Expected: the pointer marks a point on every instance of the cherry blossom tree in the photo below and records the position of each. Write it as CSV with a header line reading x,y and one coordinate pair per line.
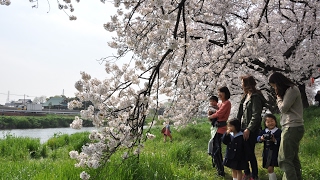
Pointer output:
x,y
185,50
41,99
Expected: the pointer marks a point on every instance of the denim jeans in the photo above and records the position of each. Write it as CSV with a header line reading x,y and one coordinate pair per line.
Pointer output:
x,y
288,158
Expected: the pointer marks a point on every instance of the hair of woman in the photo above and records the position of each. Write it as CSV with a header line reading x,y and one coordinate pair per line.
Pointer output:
x,y
226,92
249,84
282,83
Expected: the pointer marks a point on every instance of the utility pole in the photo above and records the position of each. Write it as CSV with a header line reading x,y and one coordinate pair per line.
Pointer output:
x,y
8,97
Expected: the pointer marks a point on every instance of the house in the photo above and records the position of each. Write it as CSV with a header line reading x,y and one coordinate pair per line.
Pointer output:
x,y
19,102
56,103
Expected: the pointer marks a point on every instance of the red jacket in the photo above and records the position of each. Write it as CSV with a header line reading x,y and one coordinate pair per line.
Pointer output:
x,y
222,114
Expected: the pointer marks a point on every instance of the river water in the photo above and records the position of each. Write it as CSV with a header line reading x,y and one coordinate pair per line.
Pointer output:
x,y
43,134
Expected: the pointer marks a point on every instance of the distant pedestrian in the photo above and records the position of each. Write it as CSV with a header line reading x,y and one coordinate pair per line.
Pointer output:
x,y
317,98
167,131
235,153
271,138
290,105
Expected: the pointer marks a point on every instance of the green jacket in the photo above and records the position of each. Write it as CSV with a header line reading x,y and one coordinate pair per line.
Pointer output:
x,y
252,113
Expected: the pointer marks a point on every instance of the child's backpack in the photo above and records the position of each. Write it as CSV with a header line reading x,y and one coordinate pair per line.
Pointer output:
x,y
163,130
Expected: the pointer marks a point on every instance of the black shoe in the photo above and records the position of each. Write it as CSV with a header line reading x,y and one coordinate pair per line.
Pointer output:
x,y
223,174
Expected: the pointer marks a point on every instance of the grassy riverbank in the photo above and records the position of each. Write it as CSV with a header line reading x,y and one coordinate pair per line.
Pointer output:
x,y
46,121
185,158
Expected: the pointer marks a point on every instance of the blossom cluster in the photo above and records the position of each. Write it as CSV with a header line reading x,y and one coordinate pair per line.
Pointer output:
x,y
90,156
74,104
150,136
84,175
67,5
76,123
5,2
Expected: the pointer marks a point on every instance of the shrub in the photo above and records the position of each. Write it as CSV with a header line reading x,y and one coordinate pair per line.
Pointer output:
x,y
23,124
48,121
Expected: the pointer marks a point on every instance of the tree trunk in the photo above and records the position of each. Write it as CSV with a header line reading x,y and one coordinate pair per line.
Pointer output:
x,y
272,104
302,88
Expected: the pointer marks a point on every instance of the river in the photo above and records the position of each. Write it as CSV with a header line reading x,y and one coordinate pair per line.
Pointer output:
x,y
42,134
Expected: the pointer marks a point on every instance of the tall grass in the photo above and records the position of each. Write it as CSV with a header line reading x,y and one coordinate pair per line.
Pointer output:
x,y
185,158
21,148
309,148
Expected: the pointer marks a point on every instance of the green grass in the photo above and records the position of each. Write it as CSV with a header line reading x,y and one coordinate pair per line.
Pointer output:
x,y
185,158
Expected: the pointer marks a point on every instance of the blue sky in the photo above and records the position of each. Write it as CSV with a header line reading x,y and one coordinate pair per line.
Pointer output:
x,y
43,53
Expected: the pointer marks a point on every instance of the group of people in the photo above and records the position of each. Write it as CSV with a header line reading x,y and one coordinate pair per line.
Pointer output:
x,y
241,134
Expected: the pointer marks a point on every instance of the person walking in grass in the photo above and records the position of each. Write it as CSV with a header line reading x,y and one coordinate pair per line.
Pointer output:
x,y
317,98
271,138
235,153
290,105
167,131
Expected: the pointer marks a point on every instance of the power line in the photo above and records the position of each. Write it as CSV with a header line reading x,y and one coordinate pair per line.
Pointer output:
x,y
18,94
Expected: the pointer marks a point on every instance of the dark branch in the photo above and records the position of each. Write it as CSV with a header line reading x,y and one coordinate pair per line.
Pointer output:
x,y
178,18
218,43
263,12
216,25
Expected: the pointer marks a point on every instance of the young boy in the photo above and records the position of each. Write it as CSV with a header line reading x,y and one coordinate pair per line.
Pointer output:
x,y
271,137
